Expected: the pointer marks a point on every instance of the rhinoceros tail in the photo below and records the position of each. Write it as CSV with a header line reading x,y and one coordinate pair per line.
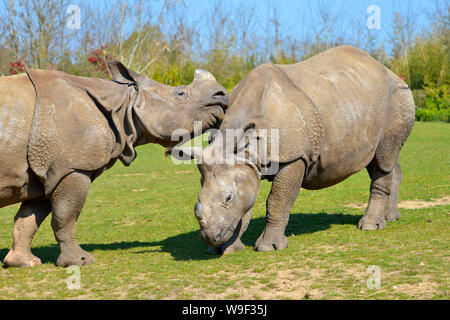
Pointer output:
x,y
28,72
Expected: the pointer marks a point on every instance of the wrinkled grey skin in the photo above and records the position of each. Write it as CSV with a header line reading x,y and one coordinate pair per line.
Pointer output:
x,y
58,132
337,113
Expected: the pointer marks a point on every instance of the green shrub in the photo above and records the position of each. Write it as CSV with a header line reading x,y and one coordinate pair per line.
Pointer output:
x,y
432,115
434,105
420,98
438,98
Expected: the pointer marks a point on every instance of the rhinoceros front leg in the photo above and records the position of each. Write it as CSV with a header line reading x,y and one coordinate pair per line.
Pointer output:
x,y
285,188
67,201
26,223
235,243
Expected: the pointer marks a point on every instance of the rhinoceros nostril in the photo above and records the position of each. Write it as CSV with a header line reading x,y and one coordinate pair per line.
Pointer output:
x,y
221,98
219,94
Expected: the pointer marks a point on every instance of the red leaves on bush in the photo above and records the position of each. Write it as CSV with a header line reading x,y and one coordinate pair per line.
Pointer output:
x,y
99,58
93,60
16,67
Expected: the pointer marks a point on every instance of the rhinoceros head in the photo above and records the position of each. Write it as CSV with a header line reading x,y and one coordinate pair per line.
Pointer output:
x,y
164,109
230,185
228,192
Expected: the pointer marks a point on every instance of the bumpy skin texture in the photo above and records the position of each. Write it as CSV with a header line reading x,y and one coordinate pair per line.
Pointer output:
x,y
336,113
59,132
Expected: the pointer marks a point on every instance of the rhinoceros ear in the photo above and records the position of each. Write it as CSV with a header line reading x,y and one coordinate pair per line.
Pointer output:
x,y
122,74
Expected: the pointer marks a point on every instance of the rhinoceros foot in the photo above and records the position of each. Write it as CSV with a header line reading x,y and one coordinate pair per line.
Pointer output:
x,y
271,240
375,216
17,258
368,224
75,257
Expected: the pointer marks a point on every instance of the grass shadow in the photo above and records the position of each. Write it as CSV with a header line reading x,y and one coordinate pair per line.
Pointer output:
x,y
185,246
47,254
188,246
300,223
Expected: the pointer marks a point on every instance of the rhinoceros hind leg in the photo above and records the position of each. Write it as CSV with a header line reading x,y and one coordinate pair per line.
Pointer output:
x,y
393,214
380,188
67,201
285,188
384,170
26,222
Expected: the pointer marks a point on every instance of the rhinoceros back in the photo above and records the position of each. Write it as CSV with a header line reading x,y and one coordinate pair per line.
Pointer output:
x,y
352,93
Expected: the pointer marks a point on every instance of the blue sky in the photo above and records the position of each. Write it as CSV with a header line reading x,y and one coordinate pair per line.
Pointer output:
x,y
298,17
292,11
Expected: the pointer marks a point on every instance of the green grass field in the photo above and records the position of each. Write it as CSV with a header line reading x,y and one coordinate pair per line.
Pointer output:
x,y
139,224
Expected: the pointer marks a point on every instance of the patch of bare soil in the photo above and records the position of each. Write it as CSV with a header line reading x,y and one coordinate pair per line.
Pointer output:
x,y
426,289
424,204
411,204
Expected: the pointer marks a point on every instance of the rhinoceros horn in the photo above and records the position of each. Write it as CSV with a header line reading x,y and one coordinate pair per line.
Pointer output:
x,y
203,75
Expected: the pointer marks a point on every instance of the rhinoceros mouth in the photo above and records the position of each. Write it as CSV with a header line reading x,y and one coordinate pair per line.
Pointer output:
x,y
219,237
212,116
218,101
221,105
217,241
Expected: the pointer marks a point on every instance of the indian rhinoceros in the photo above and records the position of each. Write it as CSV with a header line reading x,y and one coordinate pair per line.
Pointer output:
x,y
334,114
58,132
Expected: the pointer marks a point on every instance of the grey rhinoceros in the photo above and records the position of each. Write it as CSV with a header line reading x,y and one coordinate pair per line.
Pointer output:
x,y
58,132
336,113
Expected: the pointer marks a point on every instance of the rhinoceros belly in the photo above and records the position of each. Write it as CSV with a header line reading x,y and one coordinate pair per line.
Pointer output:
x,y
17,100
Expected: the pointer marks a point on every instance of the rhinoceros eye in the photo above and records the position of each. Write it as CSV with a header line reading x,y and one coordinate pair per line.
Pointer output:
x,y
181,94
228,198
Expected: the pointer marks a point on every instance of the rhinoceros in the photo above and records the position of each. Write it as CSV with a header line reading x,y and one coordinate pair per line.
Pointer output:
x,y
58,132
334,114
